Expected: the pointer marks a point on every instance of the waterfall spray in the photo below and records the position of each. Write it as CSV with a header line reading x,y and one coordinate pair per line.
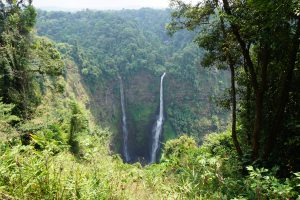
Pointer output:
x,y
157,129
124,123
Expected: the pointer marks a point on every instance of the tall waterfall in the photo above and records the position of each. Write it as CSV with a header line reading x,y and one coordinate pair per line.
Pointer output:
x,y
157,129
124,123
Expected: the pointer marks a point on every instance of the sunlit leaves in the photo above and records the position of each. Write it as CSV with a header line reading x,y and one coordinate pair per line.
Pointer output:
x,y
189,16
45,58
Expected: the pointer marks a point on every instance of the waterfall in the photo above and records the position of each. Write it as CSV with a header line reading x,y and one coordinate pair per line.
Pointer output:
x,y
124,123
157,129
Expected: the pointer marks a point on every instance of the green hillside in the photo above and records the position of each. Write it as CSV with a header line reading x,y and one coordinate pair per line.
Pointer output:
x,y
134,44
231,102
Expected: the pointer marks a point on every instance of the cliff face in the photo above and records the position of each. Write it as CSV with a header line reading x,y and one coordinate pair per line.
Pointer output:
x,y
142,91
133,44
188,109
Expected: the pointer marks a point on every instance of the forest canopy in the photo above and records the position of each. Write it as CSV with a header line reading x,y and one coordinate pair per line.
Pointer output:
x,y
134,45
259,42
64,76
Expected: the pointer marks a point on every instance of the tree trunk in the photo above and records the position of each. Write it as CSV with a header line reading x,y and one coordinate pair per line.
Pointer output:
x,y
259,101
243,45
248,107
233,100
257,125
248,113
284,94
259,91
233,93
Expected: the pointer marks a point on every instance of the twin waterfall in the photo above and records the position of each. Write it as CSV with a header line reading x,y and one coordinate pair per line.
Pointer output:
x,y
124,123
157,129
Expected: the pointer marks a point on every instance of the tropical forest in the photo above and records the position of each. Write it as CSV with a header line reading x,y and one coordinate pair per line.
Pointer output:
x,y
199,100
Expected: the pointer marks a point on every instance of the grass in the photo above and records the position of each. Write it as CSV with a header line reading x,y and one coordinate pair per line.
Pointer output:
x,y
30,174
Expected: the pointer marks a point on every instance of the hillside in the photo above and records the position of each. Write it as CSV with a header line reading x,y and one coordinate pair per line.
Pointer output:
x,y
106,105
134,44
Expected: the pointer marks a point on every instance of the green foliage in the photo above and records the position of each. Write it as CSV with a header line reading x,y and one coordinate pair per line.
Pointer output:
x,y
134,44
5,113
46,59
259,40
186,172
201,173
51,139
267,186
25,60
78,125
179,147
212,172
169,132
7,131
16,22
61,153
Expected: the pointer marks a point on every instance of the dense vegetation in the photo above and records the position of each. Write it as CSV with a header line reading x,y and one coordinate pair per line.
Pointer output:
x,y
52,148
134,44
259,43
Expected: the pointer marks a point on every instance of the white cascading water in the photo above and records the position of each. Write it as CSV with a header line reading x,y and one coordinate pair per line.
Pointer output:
x,y
157,129
124,123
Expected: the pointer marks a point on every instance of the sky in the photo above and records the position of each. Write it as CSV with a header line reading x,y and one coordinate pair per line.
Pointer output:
x,y
101,4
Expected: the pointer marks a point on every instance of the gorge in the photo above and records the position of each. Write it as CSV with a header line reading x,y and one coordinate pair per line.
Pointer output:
x,y
106,105
134,45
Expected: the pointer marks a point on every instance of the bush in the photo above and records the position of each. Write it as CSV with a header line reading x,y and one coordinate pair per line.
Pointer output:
x,y
213,171
7,131
262,184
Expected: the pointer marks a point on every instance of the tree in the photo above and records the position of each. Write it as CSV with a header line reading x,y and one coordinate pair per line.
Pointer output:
x,y
17,19
267,37
24,59
6,120
221,49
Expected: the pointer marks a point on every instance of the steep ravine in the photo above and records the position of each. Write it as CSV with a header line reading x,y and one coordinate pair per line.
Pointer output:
x,y
141,97
134,44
